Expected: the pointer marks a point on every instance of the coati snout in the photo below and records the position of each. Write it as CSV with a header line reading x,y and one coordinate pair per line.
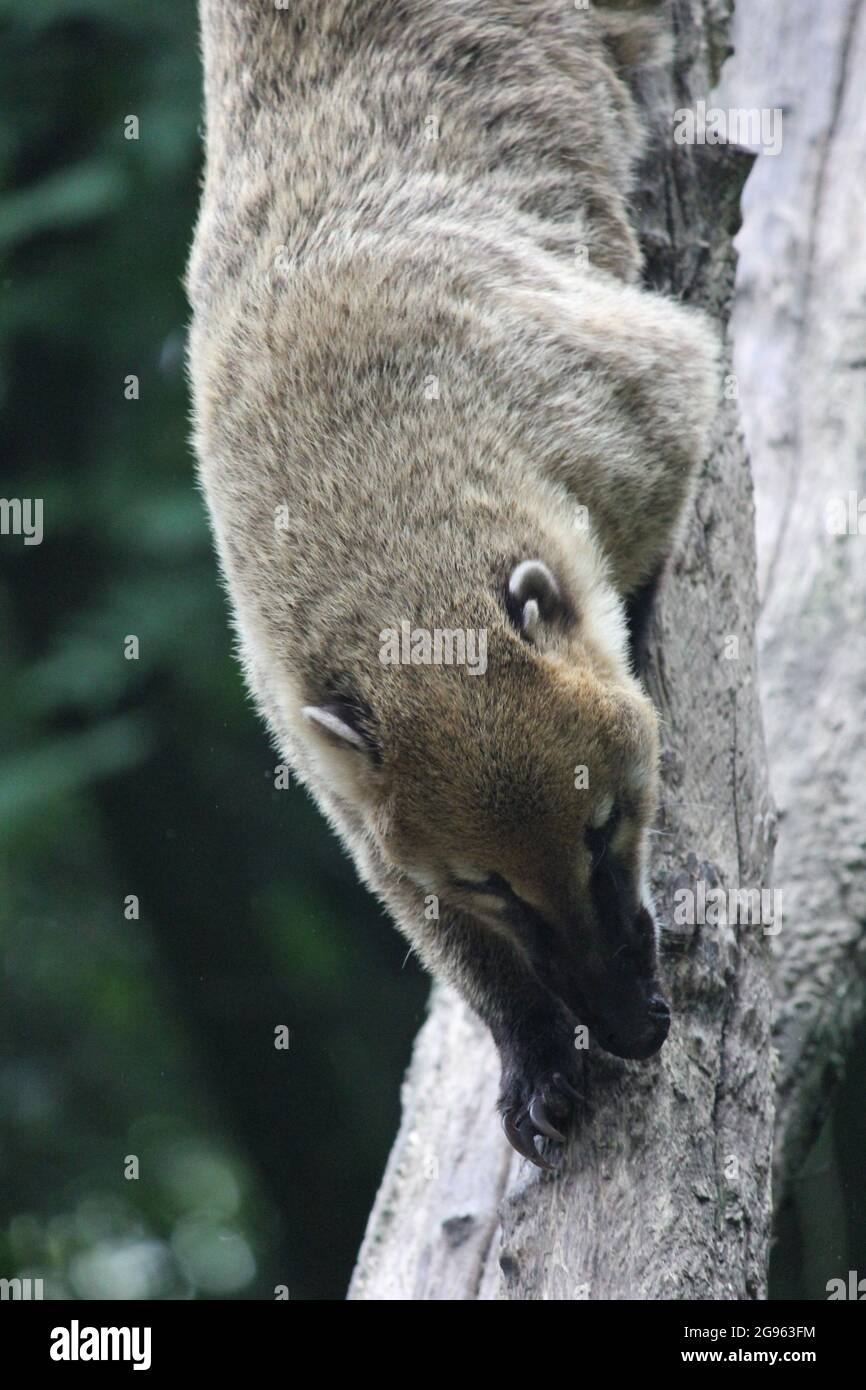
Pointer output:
x,y
597,953
601,962
627,1014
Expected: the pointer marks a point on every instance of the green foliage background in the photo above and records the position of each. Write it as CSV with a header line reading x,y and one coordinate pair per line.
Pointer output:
x,y
153,777
155,1037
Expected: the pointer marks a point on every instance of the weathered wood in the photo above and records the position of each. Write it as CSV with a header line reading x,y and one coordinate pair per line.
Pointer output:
x,y
800,330
664,1191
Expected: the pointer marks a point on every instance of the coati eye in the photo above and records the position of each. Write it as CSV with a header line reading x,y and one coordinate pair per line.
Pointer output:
x,y
481,884
533,594
491,885
502,888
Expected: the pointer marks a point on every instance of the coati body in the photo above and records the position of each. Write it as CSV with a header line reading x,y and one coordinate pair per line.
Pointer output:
x,y
429,391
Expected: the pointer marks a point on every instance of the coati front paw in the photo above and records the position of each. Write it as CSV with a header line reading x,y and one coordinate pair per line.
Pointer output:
x,y
537,1103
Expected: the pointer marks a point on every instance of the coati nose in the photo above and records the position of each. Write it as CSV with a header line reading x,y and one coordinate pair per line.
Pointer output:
x,y
659,1009
651,1038
659,1026
644,1043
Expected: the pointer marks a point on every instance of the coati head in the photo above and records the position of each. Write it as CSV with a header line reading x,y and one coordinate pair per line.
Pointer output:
x,y
522,796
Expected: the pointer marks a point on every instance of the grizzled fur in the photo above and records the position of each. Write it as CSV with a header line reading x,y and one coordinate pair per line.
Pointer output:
x,y
421,357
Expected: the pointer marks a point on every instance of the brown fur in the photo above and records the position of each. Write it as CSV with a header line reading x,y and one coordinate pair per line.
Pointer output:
x,y
406,383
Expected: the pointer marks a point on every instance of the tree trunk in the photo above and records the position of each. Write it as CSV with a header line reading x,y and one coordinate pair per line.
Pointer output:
x,y
664,1191
800,329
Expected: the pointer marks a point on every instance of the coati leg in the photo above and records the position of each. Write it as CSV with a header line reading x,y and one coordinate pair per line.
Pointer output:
x,y
639,611
639,423
533,1030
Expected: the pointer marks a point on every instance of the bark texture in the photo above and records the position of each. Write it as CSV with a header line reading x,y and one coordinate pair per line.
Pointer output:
x,y
664,1189
800,356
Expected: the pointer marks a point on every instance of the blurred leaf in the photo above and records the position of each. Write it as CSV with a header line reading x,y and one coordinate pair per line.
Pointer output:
x,y
64,765
62,200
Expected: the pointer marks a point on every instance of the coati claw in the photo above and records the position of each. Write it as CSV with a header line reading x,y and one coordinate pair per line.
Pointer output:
x,y
521,1138
540,1119
538,1113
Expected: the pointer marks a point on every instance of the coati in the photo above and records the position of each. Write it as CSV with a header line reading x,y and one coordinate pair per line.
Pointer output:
x,y
429,389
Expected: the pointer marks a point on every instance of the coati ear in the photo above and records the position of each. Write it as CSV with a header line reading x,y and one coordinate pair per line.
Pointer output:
x,y
343,725
332,719
533,594
343,746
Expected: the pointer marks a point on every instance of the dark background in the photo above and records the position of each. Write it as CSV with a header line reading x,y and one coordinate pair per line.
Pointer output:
x,y
155,1037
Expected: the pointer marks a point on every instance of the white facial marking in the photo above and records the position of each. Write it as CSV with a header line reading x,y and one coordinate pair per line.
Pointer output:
x,y
530,619
646,898
640,778
532,578
488,902
468,874
602,813
424,877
